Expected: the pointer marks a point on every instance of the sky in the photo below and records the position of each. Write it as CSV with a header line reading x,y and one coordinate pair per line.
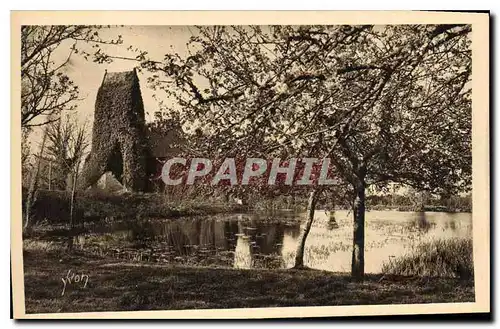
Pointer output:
x,y
87,75
156,40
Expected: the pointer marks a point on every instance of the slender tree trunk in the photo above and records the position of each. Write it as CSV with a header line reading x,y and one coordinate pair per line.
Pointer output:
x,y
74,180
33,188
358,250
50,175
299,256
225,196
332,221
73,196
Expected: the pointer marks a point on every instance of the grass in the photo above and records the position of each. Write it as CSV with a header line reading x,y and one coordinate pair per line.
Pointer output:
x,y
40,245
52,207
444,258
127,286
279,203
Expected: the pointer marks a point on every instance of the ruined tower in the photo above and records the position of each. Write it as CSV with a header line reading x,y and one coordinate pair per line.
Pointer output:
x,y
119,142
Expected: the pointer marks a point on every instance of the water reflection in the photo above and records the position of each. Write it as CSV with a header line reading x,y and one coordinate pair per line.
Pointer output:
x,y
451,225
243,255
270,241
332,221
420,223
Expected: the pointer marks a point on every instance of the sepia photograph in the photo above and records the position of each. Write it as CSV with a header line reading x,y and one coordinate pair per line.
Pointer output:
x,y
203,165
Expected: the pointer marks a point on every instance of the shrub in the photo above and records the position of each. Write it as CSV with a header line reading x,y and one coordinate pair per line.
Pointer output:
x,y
443,258
52,207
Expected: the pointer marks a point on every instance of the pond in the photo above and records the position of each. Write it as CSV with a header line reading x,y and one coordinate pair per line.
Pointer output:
x,y
258,240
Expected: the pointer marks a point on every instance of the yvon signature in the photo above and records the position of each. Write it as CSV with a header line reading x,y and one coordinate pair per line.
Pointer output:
x,y
72,278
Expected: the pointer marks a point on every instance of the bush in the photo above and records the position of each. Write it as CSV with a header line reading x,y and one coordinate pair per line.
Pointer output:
x,y
53,207
443,258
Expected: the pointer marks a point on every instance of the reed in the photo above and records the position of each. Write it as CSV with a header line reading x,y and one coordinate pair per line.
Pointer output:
x,y
437,258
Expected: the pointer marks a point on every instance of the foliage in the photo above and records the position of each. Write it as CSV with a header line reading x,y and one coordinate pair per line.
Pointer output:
x,y
367,92
444,258
419,202
67,144
53,207
119,140
387,103
45,87
165,135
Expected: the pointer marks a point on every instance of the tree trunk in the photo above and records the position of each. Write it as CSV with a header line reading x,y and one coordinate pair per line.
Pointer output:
x,y
299,256
72,205
332,221
33,188
358,250
73,196
50,175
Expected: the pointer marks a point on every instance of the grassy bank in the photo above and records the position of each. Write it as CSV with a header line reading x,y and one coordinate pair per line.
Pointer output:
x,y
450,258
114,286
53,206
